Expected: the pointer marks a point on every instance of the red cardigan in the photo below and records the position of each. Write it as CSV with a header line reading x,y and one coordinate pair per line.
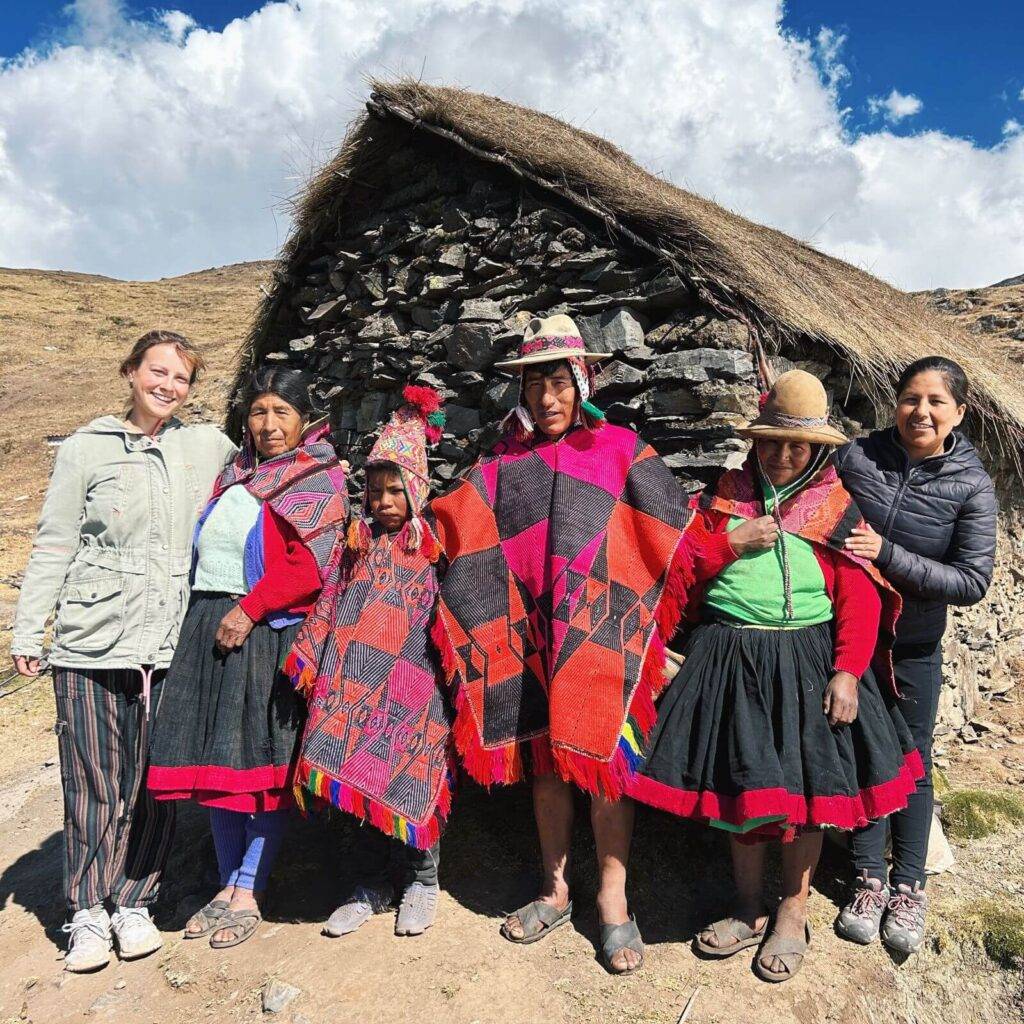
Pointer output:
x,y
857,604
291,579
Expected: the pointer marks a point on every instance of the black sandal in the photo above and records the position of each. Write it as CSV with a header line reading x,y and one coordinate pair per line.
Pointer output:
x,y
617,937
538,919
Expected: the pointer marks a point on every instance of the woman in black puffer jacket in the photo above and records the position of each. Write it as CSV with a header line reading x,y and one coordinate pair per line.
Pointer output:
x,y
932,513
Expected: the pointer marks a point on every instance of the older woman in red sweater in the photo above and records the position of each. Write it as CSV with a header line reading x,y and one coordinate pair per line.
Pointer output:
x,y
228,730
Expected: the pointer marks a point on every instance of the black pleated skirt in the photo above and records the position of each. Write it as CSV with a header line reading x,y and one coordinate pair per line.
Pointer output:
x,y
742,740
228,727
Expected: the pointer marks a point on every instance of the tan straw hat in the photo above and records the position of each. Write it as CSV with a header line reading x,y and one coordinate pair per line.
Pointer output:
x,y
549,338
796,409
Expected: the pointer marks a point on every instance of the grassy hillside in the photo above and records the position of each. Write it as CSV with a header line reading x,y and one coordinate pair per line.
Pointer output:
x,y
62,337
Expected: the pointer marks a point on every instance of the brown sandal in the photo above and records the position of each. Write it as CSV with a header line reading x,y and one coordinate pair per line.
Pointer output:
x,y
208,917
242,923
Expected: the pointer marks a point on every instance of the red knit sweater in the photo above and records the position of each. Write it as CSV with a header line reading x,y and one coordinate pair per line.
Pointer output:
x,y
290,581
857,604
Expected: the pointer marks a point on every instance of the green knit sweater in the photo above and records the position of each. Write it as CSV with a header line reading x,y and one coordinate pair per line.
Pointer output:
x,y
751,590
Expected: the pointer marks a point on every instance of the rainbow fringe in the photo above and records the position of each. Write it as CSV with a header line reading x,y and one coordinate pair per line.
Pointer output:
x,y
300,674
328,790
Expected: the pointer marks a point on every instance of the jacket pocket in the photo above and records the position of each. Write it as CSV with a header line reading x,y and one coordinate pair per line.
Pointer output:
x,y
130,484
91,616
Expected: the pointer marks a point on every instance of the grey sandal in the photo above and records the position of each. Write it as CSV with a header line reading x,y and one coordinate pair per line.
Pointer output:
x,y
617,937
783,948
538,919
243,923
209,917
729,928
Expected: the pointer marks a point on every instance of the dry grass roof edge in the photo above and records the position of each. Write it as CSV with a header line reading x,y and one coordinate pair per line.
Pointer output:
x,y
782,288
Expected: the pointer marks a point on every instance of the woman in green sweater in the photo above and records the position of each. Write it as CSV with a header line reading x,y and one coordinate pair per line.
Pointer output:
x,y
777,726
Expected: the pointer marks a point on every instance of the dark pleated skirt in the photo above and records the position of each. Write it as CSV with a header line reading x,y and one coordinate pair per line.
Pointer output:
x,y
742,740
228,727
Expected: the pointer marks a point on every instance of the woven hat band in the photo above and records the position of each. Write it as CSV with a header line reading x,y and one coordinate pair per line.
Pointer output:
x,y
548,342
771,418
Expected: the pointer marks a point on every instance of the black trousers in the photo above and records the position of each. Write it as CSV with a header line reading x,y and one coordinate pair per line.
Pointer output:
x,y
378,859
116,836
919,677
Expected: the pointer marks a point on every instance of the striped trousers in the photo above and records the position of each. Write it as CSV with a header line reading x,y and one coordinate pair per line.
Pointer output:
x,y
116,836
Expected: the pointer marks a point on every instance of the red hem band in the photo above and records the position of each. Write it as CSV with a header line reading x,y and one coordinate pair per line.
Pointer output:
x,y
844,812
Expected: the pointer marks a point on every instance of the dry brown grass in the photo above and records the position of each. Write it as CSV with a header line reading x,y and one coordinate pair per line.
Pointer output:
x,y
780,286
62,336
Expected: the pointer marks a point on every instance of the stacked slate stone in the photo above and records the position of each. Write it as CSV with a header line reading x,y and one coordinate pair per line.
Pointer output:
x,y
435,285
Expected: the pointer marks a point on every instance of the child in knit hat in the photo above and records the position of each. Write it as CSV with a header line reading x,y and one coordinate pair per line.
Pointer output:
x,y
378,741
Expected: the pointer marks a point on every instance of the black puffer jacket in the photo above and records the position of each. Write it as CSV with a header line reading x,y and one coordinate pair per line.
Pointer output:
x,y
938,519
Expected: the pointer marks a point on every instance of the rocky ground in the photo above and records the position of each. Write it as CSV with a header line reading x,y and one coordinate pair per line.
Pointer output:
x,y
60,338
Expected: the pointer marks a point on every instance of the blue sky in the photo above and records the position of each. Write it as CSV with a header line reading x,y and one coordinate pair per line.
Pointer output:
x,y
143,140
963,61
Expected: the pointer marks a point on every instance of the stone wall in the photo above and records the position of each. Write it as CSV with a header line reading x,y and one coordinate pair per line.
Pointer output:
x,y
434,271
436,282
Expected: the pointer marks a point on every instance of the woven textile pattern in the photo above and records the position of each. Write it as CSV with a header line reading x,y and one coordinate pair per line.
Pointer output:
x,y
823,513
551,610
305,486
378,739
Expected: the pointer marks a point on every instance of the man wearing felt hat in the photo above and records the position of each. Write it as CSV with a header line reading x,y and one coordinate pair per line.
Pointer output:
x,y
564,546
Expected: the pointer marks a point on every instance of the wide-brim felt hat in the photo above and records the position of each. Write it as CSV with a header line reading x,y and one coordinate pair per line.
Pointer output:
x,y
547,339
796,409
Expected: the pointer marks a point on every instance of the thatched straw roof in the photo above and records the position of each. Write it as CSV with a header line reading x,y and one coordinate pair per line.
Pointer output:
x,y
782,288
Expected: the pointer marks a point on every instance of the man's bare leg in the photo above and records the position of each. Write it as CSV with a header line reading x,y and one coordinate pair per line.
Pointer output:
x,y
612,822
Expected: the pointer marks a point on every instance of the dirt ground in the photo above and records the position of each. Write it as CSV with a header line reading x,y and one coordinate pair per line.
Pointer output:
x,y
60,338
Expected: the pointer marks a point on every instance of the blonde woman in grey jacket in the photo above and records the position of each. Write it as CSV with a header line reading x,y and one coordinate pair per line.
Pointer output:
x,y
112,557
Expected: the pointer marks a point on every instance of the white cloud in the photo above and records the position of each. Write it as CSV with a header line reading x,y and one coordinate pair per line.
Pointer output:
x,y
146,148
895,107
1012,127
178,24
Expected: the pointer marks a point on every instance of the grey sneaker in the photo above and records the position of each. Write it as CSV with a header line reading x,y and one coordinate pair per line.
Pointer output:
x,y
903,927
89,941
860,919
417,910
365,901
135,932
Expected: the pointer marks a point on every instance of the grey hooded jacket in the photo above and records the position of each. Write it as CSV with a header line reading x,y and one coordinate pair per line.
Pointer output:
x,y
114,546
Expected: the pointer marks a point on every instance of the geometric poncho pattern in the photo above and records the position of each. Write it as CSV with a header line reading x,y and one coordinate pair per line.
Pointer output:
x,y
378,739
561,590
822,512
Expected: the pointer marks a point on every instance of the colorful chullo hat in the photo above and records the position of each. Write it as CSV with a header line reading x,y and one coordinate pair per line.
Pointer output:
x,y
403,443
550,339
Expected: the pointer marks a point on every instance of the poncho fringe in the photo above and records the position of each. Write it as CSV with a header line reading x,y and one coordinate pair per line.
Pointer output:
x,y
505,765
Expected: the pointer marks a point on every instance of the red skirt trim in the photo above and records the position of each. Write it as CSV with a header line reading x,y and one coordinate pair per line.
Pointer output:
x,y
844,812
266,788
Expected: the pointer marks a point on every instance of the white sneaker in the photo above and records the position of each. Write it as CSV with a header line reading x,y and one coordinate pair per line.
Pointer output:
x,y
135,932
89,941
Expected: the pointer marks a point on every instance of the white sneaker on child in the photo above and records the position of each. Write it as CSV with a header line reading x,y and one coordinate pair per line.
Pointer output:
x,y
136,934
88,940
